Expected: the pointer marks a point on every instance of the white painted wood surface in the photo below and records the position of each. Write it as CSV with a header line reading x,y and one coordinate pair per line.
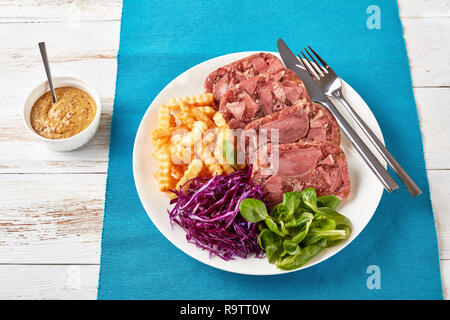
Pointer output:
x,y
51,204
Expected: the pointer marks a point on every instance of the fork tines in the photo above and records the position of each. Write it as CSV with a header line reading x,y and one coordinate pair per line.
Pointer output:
x,y
315,69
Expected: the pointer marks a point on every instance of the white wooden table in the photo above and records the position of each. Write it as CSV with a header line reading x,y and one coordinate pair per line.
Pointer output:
x,y
51,204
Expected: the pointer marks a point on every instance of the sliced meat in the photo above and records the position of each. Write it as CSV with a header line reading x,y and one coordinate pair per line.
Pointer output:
x,y
263,95
298,161
322,125
317,135
306,122
236,124
231,74
292,124
237,109
274,187
300,165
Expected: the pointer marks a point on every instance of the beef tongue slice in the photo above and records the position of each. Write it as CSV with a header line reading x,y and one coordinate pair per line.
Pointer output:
x,y
305,121
220,80
260,96
300,165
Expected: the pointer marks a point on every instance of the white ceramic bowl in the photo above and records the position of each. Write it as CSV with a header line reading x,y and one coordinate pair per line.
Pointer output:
x,y
80,138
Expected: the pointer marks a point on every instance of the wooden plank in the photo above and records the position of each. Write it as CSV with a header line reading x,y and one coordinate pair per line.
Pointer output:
x,y
33,282
423,8
70,11
427,43
445,272
51,218
440,195
434,117
90,40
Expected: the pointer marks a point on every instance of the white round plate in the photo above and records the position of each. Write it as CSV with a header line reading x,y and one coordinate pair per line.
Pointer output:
x,y
366,190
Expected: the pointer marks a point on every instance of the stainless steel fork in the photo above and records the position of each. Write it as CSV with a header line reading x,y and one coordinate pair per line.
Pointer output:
x,y
331,85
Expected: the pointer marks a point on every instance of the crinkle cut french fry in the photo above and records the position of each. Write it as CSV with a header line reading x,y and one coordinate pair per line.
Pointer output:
x,y
177,172
211,163
181,148
163,174
198,149
159,143
164,117
192,171
210,136
203,152
180,154
218,153
186,118
197,114
219,120
159,133
204,99
172,121
210,112
197,135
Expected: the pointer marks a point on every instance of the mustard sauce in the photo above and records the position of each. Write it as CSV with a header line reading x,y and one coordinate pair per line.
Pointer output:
x,y
73,112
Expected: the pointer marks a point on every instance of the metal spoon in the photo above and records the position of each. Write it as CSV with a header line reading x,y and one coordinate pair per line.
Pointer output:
x,y
47,68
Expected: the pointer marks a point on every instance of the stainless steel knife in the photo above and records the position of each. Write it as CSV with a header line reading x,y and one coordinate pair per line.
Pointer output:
x,y
316,94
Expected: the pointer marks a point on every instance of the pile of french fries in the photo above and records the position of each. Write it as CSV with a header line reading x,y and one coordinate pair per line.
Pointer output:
x,y
189,141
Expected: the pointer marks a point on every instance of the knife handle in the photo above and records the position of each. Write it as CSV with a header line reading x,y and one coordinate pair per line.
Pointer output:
x,y
393,164
366,154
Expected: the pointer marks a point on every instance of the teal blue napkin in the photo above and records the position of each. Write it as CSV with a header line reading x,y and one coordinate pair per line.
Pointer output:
x,y
395,257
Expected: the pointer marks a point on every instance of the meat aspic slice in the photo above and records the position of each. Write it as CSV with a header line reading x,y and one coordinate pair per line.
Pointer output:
x,y
305,122
301,165
220,80
262,95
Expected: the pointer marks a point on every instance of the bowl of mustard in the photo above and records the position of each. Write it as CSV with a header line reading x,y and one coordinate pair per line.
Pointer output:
x,y
71,121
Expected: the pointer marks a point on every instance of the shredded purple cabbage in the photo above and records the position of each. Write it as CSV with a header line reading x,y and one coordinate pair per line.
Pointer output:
x,y
208,210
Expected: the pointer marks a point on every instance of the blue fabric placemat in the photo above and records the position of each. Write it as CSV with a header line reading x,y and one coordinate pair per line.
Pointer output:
x,y
161,39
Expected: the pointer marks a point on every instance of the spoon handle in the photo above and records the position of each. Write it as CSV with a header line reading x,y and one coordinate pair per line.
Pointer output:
x,y
47,68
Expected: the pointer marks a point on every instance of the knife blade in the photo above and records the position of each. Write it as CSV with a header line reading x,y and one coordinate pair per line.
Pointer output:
x,y
291,61
317,95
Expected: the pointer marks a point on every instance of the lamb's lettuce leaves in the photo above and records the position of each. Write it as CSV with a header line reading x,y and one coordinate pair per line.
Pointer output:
x,y
296,230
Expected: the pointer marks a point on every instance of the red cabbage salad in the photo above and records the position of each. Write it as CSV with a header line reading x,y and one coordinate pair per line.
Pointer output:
x,y
227,216
208,210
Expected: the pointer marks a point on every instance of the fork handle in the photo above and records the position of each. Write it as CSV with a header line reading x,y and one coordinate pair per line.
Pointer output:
x,y
377,168
393,164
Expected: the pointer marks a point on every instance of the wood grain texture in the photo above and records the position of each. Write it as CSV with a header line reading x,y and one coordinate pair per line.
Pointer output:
x,y
51,218
70,11
423,9
32,282
428,57
51,204
440,195
434,117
